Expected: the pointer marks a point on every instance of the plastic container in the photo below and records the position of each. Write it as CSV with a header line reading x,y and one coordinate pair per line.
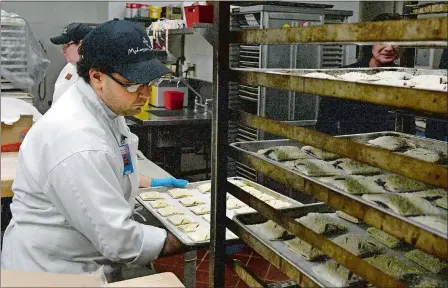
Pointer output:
x,y
134,10
174,100
198,14
155,12
128,10
144,11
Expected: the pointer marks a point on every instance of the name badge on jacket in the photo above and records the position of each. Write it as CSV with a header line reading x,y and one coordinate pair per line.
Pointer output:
x,y
127,160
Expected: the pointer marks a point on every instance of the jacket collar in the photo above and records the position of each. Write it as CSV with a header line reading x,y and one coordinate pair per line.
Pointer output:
x,y
94,100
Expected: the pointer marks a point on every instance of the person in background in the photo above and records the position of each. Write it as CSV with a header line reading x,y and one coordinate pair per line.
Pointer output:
x,y
70,40
72,210
339,117
438,129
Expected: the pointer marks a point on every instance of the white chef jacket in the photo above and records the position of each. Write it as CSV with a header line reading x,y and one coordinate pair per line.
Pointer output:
x,y
72,208
67,77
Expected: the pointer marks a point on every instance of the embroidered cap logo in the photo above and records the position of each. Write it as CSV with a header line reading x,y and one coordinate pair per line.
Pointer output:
x,y
65,31
138,50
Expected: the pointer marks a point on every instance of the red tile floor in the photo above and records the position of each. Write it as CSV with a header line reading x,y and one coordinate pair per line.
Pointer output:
x,y
261,267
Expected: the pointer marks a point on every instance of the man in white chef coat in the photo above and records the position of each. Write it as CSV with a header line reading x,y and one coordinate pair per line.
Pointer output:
x,y
76,175
70,40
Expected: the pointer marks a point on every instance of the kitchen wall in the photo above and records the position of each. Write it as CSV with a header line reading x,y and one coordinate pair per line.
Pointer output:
x,y
47,19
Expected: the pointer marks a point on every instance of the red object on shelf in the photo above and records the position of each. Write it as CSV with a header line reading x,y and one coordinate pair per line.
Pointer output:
x,y
198,14
174,100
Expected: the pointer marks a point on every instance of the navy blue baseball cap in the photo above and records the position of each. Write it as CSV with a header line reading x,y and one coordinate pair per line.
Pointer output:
x,y
73,32
123,48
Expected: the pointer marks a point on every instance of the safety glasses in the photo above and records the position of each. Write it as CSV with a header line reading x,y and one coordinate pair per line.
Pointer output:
x,y
65,46
129,87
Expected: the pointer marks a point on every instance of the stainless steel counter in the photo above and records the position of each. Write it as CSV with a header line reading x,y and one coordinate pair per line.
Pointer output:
x,y
163,117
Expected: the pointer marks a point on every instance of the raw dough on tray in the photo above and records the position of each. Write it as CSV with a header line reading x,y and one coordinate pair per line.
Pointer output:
x,y
204,188
423,154
427,282
179,220
427,261
151,196
320,75
319,153
439,223
271,230
347,217
358,76
397,183
158,204
354,167
322,223
206,217
201,209
284,153
433,80
403,205
358,245
392,266
180,193
316,168
303,249
356,185
384,238
441,202
430,195
234,204
190,201
335,274
192,227
168,211
392,143
199,235
396,75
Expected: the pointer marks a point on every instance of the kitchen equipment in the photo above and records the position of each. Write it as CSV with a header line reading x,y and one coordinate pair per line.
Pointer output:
x,y
174,100
278,104
155,12
157,91
206,199
198,14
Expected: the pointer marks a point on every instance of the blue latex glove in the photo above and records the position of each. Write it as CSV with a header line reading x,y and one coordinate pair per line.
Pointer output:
x,y
170,181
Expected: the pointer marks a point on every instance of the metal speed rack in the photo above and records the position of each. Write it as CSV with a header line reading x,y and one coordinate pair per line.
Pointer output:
x,y
414,33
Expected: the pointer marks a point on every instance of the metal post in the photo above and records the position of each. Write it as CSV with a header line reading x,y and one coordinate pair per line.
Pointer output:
x,y
219,143
190,269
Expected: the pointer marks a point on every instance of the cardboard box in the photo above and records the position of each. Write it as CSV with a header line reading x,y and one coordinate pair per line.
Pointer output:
x,y
11,278
13,135
172,13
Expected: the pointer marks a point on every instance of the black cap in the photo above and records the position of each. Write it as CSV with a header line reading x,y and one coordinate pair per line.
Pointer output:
x,y
73,32
124,48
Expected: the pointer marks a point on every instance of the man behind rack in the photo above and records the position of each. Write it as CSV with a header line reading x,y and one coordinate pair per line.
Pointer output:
x,y
339,117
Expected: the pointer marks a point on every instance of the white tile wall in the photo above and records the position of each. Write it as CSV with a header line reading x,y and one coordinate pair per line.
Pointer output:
x,y
198,51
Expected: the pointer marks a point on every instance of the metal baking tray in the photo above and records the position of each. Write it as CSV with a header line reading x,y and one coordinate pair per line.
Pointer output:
x,y
253,146
338,72
246,221
206,199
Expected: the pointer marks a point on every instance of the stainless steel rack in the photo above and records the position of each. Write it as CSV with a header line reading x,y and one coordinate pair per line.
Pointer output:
x,y
425,32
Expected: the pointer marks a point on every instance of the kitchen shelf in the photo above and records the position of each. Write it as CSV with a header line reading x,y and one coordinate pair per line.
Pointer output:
x,y
425,32
204,29
421,32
